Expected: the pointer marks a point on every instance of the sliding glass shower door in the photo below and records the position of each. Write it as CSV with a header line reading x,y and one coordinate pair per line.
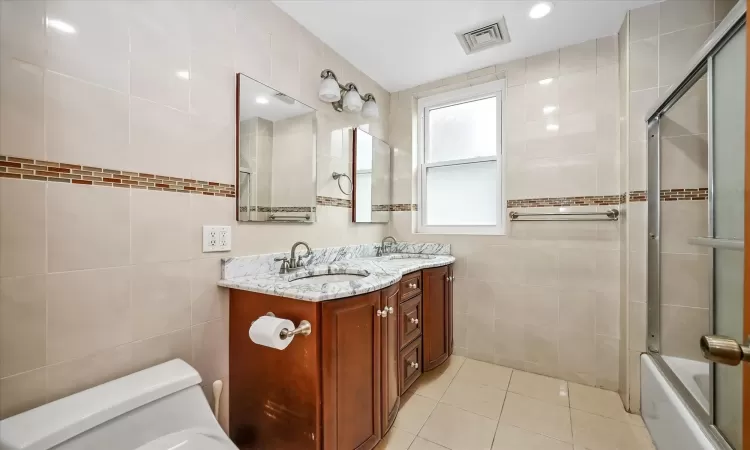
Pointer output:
x,y
728,168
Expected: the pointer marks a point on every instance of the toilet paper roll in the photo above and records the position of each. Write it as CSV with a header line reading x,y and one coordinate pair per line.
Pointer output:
x,y
266,329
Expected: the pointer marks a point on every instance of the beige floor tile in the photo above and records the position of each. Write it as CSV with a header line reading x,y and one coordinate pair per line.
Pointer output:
x,y
433,384
478,372
595,432
396,439
458,429
636,419
424,444
513,438
479,399
542,388
597,401
537,416
414,412
452,365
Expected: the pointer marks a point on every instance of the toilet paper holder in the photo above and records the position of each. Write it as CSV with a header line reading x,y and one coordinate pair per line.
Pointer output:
x,y
304,328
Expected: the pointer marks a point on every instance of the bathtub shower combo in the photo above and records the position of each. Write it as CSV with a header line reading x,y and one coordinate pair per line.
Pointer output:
x,y
695,247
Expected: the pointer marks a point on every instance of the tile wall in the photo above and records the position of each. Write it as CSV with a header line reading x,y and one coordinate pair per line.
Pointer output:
x,y
99,281
661,39
545,297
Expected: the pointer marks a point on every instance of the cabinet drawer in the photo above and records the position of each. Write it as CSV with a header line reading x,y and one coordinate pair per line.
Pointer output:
x,y
410,320
410,365
411,285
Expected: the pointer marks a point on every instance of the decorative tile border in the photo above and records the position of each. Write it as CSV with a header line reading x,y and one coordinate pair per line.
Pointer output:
x,y
286,208
671,195
38,170
564,201
331,201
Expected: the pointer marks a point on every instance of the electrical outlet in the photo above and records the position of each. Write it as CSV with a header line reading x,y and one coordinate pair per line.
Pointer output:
x,y
217,238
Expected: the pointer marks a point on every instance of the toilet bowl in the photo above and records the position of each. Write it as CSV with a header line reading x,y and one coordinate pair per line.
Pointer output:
x,y
159,408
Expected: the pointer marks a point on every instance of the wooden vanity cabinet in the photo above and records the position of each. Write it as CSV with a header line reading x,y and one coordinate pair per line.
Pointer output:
x,y
437,310
338,388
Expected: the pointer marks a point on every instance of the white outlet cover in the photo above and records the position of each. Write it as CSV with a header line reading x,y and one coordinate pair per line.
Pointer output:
x,y
217,238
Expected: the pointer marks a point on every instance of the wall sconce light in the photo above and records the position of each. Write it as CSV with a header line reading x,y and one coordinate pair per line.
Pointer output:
x,y
346,97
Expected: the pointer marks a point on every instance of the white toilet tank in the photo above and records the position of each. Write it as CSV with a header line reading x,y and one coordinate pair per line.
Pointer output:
x,y
158,408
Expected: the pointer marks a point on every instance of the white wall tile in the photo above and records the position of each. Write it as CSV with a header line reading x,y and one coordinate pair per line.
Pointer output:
x,y
23,228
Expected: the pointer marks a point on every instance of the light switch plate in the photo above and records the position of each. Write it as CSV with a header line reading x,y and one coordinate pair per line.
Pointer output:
x,y
217,238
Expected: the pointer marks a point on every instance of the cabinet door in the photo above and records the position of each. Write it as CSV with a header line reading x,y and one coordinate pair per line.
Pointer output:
x,y
435,310
389,356
351,343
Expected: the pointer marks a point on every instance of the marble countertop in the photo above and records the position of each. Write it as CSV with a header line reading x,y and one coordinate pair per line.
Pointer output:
x,y
379,272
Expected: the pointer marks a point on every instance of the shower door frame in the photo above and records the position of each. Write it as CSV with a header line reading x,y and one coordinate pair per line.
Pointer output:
x,y
701,64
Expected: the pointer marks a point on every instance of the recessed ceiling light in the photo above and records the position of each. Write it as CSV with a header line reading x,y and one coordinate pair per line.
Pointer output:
x,y
545,81
184,74
540,10
553,127
549,109
261,100
59,25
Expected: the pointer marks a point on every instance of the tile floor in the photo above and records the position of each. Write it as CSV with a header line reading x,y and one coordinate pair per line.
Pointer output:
x,y
472,405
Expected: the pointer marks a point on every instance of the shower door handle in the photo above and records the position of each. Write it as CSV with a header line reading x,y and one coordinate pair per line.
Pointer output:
x,y
724,350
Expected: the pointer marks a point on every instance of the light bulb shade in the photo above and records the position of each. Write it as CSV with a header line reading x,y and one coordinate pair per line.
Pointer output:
x,y
370,110
329,90
352,102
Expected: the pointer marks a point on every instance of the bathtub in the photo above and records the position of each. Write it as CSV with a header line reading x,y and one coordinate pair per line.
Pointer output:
x,y
672,425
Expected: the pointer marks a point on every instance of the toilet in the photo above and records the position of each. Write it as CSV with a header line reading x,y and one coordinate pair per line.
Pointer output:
x,y
159,408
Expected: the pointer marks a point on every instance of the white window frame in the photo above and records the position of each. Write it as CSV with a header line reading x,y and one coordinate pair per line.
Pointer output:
x,y
424,105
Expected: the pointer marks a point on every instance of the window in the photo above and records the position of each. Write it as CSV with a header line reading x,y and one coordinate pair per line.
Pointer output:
x,y
460,161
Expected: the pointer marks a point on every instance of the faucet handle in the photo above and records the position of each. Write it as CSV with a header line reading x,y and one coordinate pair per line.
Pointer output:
x,y
284,264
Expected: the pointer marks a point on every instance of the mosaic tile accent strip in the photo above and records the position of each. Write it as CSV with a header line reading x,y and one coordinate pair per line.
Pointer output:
x,y
672,195
331,201
404,207
564,201
38,170
638,196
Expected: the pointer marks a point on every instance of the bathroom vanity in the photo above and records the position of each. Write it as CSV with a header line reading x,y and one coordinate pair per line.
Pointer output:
x,y
338,387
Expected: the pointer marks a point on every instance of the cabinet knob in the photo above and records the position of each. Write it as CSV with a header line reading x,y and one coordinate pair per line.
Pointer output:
x,y
450,278
389,309
414,365
383,313
412,285
414,321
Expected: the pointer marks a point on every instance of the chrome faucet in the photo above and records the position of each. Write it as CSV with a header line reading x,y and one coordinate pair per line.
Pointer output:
x,y
382,248
297,263
292,264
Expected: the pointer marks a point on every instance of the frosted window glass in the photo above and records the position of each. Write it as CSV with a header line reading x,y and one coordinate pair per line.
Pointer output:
x,y
465,130
462,194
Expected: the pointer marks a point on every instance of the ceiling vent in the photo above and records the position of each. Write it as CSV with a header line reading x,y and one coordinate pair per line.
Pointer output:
x,y
484,37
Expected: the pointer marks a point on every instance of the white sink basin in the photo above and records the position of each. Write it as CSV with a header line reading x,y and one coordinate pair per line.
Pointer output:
x,y
327,278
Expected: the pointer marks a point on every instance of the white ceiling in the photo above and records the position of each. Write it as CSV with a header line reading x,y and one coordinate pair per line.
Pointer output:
x,y
405,43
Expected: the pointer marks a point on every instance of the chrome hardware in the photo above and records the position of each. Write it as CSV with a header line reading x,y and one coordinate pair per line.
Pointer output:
x,y
283,218
414,365
412,285
390,309
284,264
450,278
304,329
382,248
724,350
652,236
612,214
338,176
730,244
414,321
297,263
383,313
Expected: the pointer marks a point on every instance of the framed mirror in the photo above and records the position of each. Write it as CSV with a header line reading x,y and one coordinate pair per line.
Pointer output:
x,y
276,155
371,190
